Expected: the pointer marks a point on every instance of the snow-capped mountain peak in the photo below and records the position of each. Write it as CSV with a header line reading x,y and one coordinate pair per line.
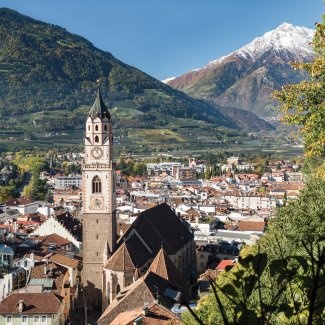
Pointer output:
x,y
165,81
285,37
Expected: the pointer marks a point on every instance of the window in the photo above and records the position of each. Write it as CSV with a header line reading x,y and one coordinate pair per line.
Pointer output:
x,y
9,320
96,138
25,263
97,185
43,319
88,127
36,319
105,127
96,127
24,319
118,288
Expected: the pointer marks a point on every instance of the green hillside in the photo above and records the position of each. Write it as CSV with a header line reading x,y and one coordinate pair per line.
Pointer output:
x,y
47,83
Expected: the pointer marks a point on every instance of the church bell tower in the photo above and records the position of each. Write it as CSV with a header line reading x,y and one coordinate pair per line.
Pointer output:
x,y
99,201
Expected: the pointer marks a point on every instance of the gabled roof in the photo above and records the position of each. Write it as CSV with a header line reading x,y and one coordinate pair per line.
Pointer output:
x,y
155,314
34,303
120,260
161,276
246,225
160,225
99,109
165,268
64,260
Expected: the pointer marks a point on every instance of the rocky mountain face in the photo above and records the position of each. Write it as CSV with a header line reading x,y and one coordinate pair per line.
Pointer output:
x,y
45,68
246,78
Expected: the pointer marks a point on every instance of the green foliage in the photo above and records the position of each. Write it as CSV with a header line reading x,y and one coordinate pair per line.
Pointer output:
x,y
72,169
281,279
303,104
212,171
44,68
38,189
7,192
131,168
30,164
213,158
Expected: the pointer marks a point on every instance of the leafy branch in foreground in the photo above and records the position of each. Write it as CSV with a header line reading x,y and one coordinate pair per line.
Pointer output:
x,y
303,104
281,279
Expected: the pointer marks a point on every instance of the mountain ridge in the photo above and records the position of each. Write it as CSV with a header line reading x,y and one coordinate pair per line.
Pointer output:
x,y
262,66
44,67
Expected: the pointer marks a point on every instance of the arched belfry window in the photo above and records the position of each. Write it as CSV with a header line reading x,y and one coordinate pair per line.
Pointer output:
x,y
97,185
96,127
96,138
105,127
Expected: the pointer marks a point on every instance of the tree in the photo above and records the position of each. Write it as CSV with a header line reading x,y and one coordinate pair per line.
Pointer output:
x,y
303,104
281,279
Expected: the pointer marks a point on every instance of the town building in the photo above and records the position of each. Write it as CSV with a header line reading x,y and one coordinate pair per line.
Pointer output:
x,y
31,308
70,181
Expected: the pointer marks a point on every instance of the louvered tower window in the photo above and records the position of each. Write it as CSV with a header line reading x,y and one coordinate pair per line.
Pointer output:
x,y
97,185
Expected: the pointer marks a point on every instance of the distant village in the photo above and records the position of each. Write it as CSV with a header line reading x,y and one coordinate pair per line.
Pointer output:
x,y
41,242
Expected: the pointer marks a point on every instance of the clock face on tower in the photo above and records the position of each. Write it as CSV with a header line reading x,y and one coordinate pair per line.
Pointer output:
x,y
97,152
96,202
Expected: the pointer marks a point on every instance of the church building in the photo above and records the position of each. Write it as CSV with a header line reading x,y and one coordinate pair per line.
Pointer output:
x,y
157,252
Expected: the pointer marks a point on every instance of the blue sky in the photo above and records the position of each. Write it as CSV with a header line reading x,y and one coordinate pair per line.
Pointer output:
x,y
166,38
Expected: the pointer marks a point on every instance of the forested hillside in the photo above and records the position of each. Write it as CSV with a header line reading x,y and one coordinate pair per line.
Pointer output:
x,y
45,68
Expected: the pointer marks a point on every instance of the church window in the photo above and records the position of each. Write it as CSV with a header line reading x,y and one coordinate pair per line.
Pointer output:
x,y
88,127
105,127
96,138
97,185
96,127
118,288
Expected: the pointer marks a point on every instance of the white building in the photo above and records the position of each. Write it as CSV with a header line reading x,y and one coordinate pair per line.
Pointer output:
x,y
251,201
52,225
64,182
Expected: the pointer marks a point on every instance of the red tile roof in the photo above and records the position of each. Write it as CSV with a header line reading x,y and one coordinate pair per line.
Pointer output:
x,y
154,315
34,303
224,263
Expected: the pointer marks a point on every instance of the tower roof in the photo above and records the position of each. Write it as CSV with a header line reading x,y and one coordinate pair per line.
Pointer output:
x,y
99,109
120,260
165,268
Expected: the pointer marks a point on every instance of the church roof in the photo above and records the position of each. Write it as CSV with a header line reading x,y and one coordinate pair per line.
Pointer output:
x,y
99,109
160,225
154,314
120,260
165,268
153,286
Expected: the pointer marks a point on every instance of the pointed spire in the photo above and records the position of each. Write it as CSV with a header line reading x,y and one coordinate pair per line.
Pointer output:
x,y
120,260
99,109
106,253
164,267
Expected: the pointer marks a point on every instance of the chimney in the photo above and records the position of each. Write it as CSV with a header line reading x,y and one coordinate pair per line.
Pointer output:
x,y
145,310
32,259
20,306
